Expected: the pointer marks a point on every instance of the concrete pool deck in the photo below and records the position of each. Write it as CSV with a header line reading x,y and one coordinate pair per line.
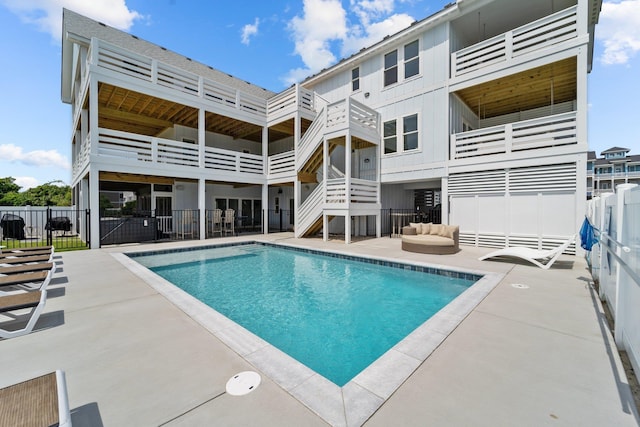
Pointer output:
x,y
539,355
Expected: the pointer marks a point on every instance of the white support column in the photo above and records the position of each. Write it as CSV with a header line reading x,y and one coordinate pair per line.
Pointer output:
x,y
202,198
265,186
202,136
297,187
94,204
94,173
325,173
444,201
265,208
347,183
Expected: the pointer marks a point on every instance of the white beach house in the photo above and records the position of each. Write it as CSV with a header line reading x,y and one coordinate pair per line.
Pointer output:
x,y
478,113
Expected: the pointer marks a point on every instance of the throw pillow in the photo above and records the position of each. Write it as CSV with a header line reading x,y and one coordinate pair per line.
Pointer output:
x,y
426,228
435,229
447,231
417,226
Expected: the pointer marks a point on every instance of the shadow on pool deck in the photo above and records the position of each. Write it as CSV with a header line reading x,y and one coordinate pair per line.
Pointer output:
x,y
535,355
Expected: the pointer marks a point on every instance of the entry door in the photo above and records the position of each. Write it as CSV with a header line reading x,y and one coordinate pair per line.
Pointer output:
x,y
164,212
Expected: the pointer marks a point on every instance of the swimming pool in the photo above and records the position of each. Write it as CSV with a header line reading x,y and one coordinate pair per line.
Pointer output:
x,y
334,315
358,399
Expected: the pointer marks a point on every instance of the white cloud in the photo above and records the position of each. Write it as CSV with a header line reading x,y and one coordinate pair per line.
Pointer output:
x,y
366,10
40,158
376,32
26,182
324,28
619,31
248,31
47,14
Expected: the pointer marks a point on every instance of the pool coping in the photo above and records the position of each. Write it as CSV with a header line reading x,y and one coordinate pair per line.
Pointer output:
x,y
361,397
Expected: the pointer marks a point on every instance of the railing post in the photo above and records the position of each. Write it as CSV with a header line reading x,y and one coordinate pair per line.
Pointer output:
x,y
508,137
508,45
48,227
154,71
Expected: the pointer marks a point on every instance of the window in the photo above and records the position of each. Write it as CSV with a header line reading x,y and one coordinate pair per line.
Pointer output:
x,y
411,59
410,129
355,79
391,68
390,140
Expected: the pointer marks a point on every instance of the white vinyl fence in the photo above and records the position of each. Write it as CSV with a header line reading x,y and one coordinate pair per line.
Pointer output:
x,y
615,262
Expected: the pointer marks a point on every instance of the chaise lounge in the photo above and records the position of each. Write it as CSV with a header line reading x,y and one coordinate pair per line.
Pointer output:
x,y
542,258
40,401
438,239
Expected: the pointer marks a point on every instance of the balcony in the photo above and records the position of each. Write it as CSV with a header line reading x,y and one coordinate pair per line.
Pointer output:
x,y
133,149
107,56
540,34
544,132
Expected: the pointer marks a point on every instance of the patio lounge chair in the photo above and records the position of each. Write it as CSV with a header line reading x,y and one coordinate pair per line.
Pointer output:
x,y
9,303
40,401
26,268
25,259
229,221
546,257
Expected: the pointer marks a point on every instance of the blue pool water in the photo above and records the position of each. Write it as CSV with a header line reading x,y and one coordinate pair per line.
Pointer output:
x,y
332,314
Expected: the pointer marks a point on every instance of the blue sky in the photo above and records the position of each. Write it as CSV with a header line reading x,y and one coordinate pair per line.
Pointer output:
x,y
269,43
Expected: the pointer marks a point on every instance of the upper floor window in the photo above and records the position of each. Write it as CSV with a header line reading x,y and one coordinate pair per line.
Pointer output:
x,y
390,137
391,68
355,79
406,128
411,59
410,132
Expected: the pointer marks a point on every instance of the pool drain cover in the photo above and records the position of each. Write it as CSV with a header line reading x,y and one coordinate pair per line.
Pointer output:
x,y
520,286
243,383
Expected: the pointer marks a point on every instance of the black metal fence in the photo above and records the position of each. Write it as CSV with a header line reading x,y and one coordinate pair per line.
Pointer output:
x,y
280,220
178,224
394,219
65,229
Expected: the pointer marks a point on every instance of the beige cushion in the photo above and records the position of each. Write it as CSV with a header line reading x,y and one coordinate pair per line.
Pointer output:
x,y
417,226
447,231
426,228
435,229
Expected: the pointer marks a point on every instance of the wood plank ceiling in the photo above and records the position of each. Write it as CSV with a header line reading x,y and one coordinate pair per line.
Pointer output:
x,y
130,111
538,87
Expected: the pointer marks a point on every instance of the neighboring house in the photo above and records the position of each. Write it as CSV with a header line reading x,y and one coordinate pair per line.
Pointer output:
x,y
615,167
480,108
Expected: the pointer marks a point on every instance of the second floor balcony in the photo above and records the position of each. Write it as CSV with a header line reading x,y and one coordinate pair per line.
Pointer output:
x,y
133,150
544,132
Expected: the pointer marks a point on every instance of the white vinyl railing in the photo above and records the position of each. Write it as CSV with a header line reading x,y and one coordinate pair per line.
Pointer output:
x,y
289,101
544,32
615,262
140,148
232,161
349,113
82,157
543,132
114,58
309,211
361,191
282,164
311,139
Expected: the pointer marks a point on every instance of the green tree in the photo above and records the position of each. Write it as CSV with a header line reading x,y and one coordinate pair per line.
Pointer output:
x,y
8,185
48,194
